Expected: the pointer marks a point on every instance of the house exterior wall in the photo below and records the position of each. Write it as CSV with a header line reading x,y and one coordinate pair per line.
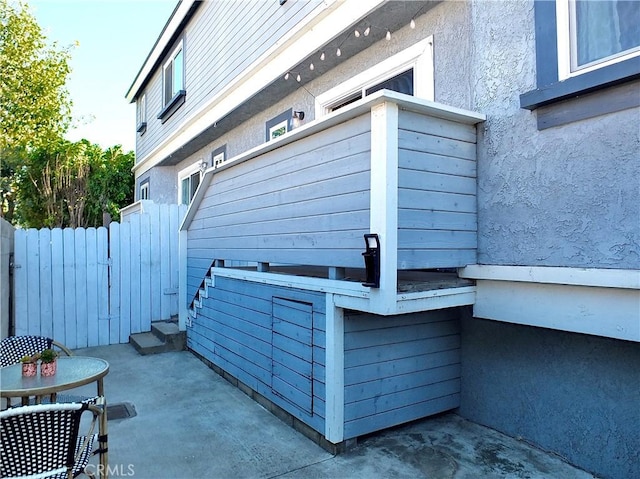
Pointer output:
x,y
210,66
563,196
571,393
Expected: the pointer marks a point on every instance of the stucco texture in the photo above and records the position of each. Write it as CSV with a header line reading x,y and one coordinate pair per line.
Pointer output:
x,y
564,196
574,394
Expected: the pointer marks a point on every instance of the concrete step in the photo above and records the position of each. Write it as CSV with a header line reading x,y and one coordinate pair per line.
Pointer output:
x,y
164,336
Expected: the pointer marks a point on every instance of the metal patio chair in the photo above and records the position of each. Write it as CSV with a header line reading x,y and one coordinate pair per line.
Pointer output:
x,y
13,348
45,440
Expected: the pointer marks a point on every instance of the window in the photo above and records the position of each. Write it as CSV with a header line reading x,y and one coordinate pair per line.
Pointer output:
x,y
144,189
219,156
410,72
173,75
592,34
279,125
583,46
402,83
173,82
188,181
141,114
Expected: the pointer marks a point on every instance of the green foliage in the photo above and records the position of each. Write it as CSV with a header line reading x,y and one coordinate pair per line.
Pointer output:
x,y
48,356
47,181
71,184
35,107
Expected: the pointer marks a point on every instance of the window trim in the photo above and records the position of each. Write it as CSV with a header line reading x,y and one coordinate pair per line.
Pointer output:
x,y
221,150
144,185
170,105
276,122
199,166
550,89
418,56
141,127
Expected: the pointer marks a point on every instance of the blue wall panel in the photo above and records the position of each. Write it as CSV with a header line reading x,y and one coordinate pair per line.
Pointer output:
x,y
399,368
271,339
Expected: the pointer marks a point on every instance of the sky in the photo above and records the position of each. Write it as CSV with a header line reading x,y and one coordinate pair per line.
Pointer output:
x,y
115,37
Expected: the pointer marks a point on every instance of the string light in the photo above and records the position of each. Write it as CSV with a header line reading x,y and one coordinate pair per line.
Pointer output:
x,y
388,35
286,76
311,67
412,24
298,78
367,31
322,56
357,34
338,52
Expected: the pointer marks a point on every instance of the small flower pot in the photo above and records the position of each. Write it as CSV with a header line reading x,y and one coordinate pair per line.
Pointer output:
x,y
48,369
29,369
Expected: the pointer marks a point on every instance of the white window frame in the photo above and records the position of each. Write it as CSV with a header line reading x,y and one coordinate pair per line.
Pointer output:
x,y
283,124
419,57
144,190
565,21
197,167
142,109
171,62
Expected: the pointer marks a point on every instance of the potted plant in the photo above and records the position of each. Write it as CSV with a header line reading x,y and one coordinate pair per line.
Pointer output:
x,y
29,365
48,358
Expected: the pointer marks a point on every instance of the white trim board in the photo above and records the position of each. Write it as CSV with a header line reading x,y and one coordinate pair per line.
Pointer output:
x,y
600,311
599,277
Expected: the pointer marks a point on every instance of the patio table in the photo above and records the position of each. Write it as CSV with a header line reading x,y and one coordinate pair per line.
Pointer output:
x,y
72,372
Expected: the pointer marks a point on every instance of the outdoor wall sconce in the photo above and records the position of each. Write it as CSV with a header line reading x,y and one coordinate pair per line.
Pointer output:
x,y
372,260
298,115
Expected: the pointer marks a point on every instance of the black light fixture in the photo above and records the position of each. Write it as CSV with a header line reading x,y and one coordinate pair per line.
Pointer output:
x,y
372,260
298,115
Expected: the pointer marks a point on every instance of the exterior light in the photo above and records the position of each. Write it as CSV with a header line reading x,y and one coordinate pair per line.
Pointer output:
x,y
372,260
298,115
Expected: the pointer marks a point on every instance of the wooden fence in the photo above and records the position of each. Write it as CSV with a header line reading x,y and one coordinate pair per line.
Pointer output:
x,y
96,286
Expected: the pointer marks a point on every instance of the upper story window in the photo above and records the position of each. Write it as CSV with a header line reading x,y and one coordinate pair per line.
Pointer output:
x,y
219,156
279,125
593,34
583,46
173,82
173,74
409,71
141,114
188,181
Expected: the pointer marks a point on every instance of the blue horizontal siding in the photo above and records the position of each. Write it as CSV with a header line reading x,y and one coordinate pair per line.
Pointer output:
x,y
399,369
235,330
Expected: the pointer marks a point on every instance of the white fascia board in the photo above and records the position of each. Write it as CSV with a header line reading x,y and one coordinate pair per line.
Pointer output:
x,y
607,312
319,27
411,302
597,277
162,42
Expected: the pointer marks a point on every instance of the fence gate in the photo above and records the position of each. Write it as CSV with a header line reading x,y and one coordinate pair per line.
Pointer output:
x,y
96,286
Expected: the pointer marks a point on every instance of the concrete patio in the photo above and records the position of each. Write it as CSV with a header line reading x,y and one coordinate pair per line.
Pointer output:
x,y
191,423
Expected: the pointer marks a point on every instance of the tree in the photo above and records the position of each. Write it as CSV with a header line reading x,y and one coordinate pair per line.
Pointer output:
x,y
72,184
35,108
